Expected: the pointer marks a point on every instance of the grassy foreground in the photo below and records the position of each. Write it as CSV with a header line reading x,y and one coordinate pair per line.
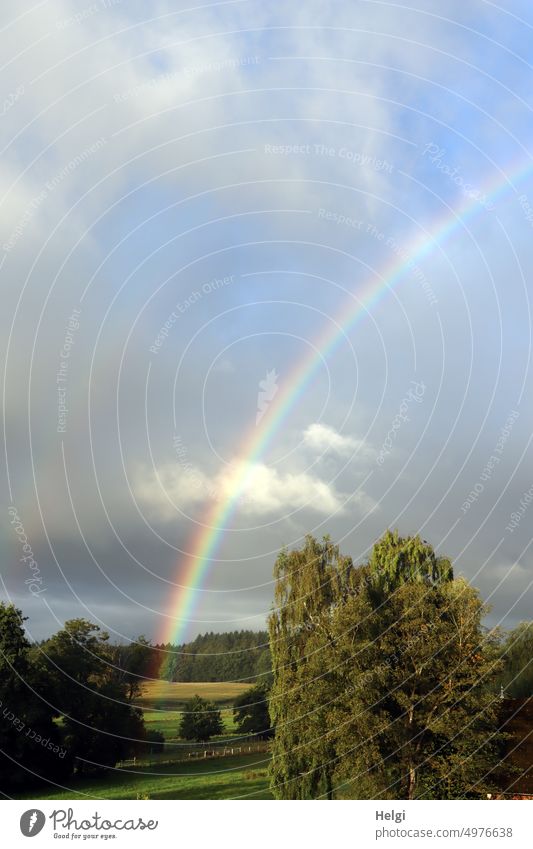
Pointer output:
x,y
171,774
219,778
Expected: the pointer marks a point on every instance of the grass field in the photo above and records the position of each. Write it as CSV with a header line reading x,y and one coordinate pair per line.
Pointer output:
x,y
162,703
170,774
164,694
221,778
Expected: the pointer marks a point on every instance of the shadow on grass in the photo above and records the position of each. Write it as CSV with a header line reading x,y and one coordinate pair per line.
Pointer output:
x,y
221,778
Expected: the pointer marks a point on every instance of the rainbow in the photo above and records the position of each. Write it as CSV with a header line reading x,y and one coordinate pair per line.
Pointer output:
x,y
203,546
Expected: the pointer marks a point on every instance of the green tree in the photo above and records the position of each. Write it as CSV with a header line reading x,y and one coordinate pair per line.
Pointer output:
x,y
517,656
230,656
250,712
154,742
200,720
100,725
395,560
383,676
310,583
134,663
31,744
427,698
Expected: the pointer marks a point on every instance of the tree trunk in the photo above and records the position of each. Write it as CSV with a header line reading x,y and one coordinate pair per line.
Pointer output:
x,y
412,782
412,770
329,786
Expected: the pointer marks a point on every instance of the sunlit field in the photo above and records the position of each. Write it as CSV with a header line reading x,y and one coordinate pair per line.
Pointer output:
x,y
182,770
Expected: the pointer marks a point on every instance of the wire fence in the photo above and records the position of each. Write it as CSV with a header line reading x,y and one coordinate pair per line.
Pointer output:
x,y
197,752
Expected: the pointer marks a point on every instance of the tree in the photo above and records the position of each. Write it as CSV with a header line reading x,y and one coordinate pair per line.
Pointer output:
x,y
76,659
517,657
133,663
310,584
428,694
31,744
200,720
396,560
100,725
250,712
383,676
154,742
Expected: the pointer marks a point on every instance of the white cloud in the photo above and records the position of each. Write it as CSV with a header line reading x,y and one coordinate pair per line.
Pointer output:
x,y
321,438
260,490
265,490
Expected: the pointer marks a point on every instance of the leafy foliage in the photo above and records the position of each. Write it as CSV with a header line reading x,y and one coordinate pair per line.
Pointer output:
x,y
517,655
232,656
395,560
30,742
134,662
90,695
200,721
250,712
310,584
383,676
154,741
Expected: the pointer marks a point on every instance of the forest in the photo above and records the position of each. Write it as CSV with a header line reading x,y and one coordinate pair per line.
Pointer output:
x,y
230,656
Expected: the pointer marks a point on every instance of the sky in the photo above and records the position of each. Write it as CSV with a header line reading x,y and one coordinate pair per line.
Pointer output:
x,y
193,201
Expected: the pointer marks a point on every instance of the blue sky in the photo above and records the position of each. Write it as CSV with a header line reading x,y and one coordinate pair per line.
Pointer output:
x,y
143,158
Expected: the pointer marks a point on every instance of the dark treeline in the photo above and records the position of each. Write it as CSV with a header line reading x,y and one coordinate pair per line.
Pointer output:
x,y
227,656
67,704
230,656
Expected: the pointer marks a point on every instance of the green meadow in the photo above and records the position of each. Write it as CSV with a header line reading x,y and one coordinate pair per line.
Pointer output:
x,y
162,704
175,773
244,776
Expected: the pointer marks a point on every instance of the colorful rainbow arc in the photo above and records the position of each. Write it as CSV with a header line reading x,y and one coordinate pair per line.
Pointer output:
x,y
206,540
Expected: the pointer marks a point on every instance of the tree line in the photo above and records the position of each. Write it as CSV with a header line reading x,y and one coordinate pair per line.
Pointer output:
x,y
67,704
229,656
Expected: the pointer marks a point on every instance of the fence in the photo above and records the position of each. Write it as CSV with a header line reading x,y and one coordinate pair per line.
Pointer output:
x,y
172,755
227,751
